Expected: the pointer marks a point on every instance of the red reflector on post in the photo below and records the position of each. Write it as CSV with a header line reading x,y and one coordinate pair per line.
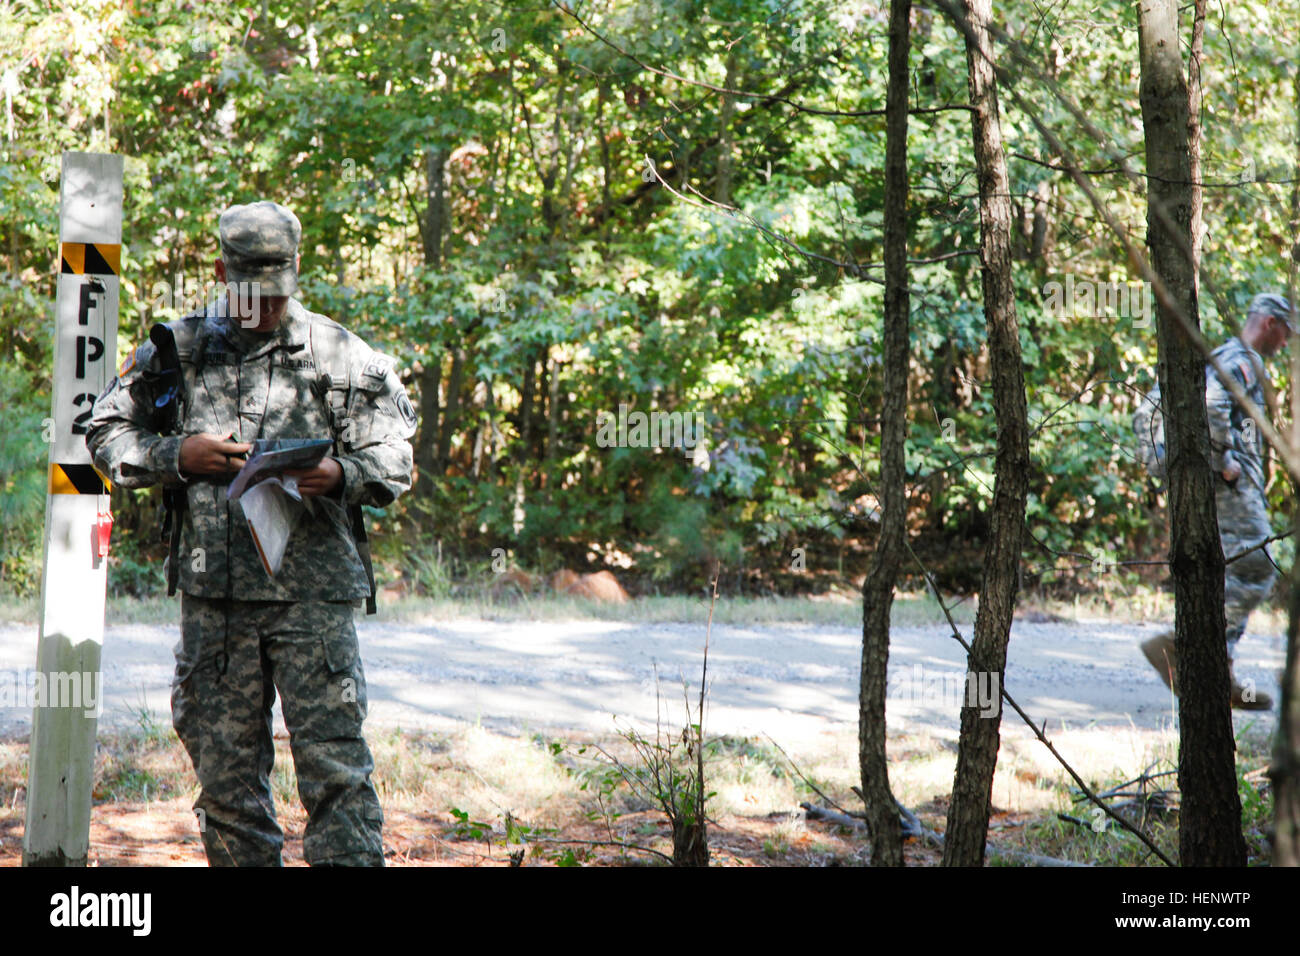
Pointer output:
x,y
103,529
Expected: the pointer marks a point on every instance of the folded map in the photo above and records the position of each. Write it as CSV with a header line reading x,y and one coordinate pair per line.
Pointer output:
x,y
270,456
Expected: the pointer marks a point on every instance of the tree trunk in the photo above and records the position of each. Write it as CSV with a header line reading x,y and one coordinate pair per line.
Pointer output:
x,y
977,753
1195,95
526,411
553,411
606,201
451,409
426,441
538,452
1285,770
1210,827
435,213
878,588
726,161
428,453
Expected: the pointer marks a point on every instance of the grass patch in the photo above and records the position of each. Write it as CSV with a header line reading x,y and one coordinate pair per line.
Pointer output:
x,y
841,608
910,610
1135,605
143,765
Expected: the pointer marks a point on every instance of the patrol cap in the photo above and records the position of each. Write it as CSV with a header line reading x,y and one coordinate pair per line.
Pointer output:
x,y
1267,303
259,243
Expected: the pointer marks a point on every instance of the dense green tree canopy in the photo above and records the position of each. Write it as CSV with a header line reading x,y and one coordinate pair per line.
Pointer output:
x,y
545,214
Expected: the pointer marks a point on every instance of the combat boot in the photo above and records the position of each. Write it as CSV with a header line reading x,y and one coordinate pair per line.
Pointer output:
x,y
1159,651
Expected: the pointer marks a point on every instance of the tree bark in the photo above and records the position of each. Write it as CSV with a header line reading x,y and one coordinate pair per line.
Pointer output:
x,y
553,411
451,408
538,452
435,214
602,94
878,588
526,411
726,161
427,439
428,451
1210,826
977,754
1195,95
1284,773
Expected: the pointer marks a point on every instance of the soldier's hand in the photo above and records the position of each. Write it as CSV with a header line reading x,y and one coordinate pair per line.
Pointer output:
x,y
208,454
1231,471
321,480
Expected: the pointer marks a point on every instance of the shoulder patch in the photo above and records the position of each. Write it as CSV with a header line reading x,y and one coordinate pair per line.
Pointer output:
x,y
128,363
376,370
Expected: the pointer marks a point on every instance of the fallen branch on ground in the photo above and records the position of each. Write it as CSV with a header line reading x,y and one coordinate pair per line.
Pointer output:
x,y
617,843
912,826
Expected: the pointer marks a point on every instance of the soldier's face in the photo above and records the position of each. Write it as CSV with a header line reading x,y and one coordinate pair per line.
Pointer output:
x,y
264,313
1277,333
257,313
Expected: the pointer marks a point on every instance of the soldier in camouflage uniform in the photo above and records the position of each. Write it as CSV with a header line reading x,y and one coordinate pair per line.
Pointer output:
x,y
262,366
1238,450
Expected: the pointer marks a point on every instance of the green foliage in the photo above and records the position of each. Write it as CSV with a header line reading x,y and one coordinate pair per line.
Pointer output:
x,y
23,460
667,772
467,829
132,572
566,283
663,773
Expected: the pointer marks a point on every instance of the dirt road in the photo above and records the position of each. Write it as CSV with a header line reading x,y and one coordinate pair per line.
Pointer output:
x,y
794,682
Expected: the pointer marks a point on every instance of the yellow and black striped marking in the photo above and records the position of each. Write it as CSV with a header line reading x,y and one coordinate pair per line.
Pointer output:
x,y
77,480
91,259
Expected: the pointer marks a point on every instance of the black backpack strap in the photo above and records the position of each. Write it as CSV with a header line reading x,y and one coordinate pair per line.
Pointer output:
x,y
175,501
177,344
357,519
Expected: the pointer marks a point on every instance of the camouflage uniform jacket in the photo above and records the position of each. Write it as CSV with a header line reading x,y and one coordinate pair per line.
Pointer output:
x,y
309,378
1231,429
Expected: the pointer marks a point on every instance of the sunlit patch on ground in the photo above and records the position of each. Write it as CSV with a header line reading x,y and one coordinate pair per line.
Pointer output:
x,y
478,798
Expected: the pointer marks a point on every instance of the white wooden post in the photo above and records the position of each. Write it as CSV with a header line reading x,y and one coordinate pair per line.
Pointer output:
x,y
68,693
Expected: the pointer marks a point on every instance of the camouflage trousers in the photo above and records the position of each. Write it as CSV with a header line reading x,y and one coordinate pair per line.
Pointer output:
x,y
232,659
1243,523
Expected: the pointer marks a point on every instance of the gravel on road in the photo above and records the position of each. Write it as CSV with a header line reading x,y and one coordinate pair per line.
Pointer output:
x,y
793,682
